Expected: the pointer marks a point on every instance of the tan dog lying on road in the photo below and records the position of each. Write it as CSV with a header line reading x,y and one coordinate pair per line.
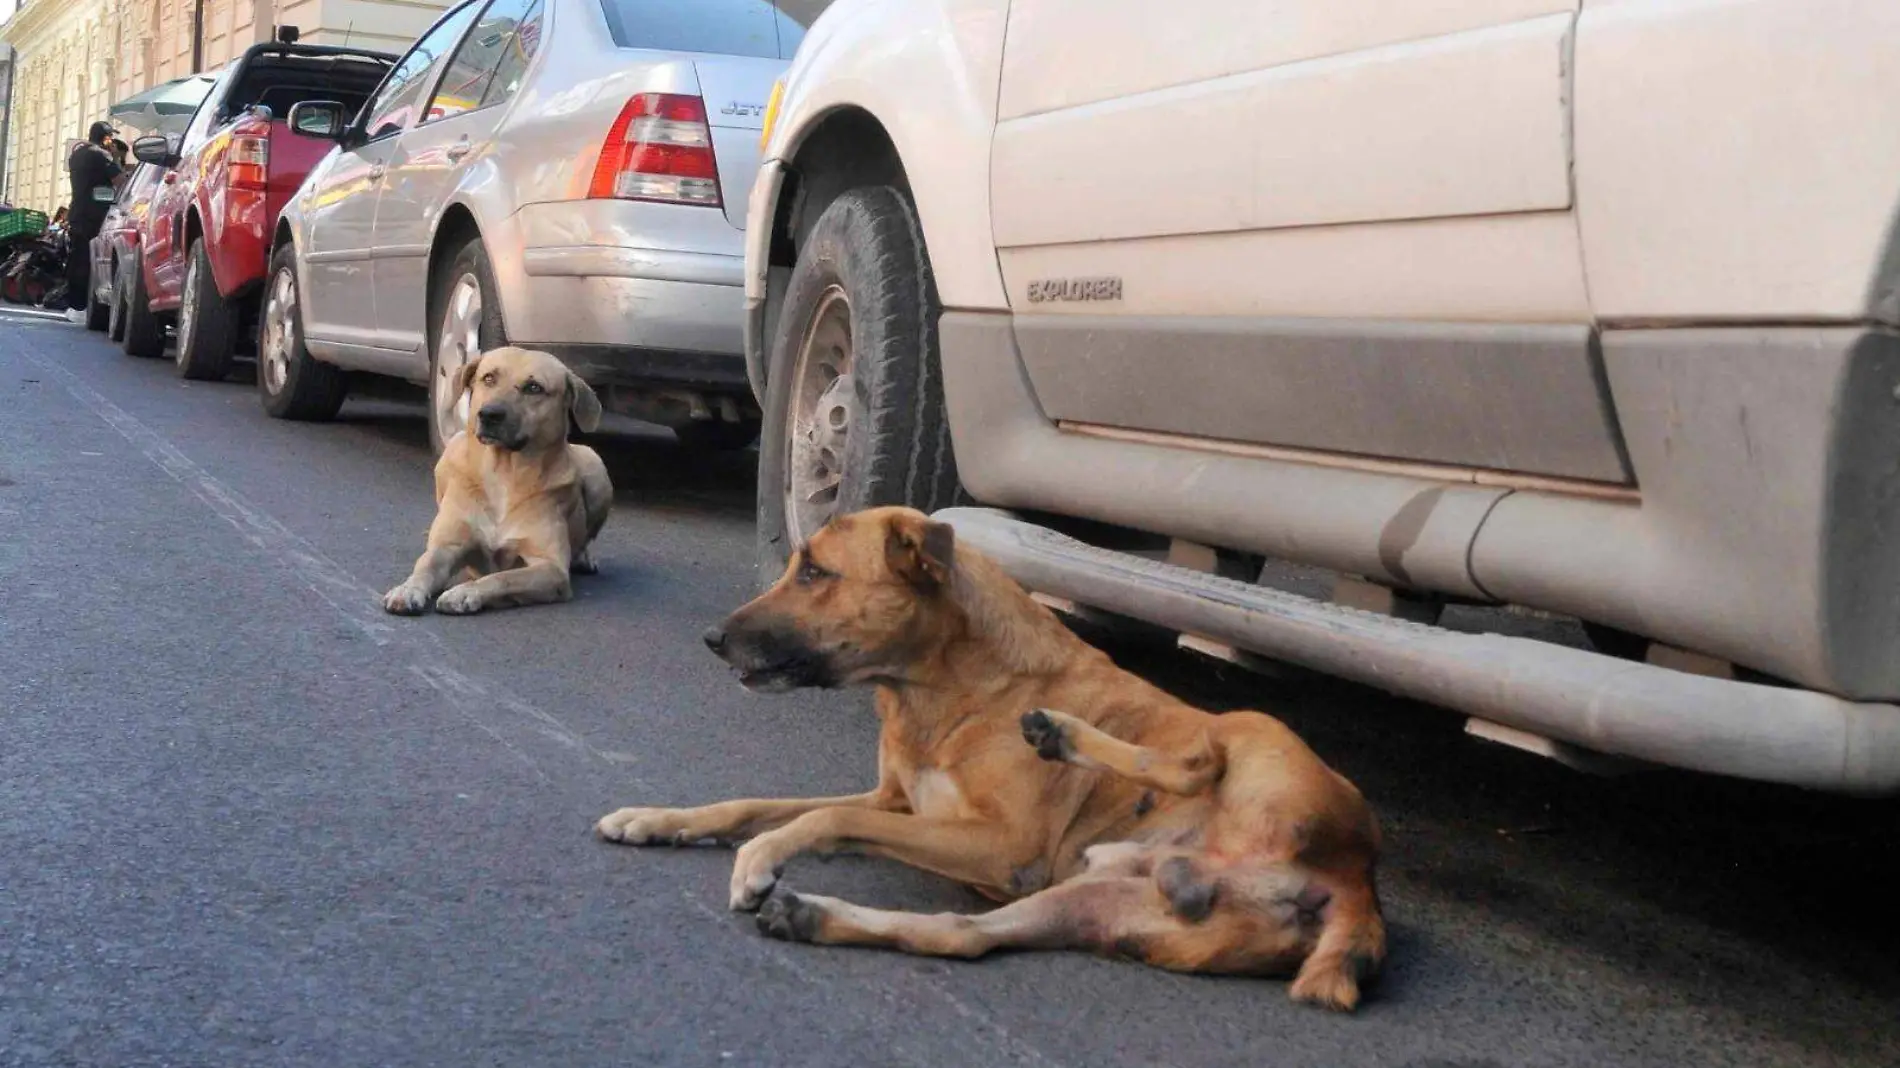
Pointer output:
x,y
516,505
1019,760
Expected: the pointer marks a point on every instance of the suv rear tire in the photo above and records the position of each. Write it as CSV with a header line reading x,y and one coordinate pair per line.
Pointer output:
x,y
207,323
292,383
144,334
854,414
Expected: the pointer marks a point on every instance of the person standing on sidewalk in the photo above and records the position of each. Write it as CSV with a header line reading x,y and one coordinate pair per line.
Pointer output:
x,y
95,177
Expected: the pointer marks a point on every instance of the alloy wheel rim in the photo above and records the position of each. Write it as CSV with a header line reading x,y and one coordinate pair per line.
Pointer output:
x,y
279,330
185,307
460,341
824,407
117,315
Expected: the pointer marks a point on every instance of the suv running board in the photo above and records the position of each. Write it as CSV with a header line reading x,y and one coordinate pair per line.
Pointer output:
x,y
1614,706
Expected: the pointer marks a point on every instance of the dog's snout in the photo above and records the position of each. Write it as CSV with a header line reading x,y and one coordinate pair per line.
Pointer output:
x,y
491,413
715,639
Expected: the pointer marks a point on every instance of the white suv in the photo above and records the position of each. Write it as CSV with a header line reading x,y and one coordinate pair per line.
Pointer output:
x,y
1582,305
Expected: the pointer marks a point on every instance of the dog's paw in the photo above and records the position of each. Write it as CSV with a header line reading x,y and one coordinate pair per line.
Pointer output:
x,y
459,601
755,871
1045,735
1327,988
789,918
584,564
642,827
406,600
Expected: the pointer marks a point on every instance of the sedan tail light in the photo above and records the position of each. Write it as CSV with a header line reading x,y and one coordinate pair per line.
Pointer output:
x,y
249,161
659,148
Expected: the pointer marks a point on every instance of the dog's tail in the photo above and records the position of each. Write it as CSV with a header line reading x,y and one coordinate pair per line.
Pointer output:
x,y
1061,737
1350,950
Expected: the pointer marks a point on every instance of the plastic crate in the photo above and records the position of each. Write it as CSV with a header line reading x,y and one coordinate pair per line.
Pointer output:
x,y
22,222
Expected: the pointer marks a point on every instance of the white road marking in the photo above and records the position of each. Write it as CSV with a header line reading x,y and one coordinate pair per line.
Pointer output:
x,y
324,576
360,606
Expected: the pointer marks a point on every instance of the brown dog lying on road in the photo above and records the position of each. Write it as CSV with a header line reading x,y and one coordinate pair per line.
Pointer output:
x,y
516,505
1019,760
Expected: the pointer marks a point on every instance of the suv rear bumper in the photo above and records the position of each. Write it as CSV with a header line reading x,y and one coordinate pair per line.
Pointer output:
x,y
1762,530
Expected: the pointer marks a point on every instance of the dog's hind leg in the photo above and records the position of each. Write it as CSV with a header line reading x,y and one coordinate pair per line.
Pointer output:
x,y
597,500
1061,737
597,490
1091,914
1350,951
1123,916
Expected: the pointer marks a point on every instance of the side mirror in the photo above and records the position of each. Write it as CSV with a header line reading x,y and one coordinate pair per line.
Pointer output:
x,y
324,119
155,149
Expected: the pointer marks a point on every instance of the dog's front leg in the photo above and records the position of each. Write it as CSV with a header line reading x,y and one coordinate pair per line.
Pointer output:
x,y
539,580
727,821
973,852
1058,736
429,578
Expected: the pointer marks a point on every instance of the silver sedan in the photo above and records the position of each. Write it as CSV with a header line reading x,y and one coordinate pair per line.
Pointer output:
x,y
567,175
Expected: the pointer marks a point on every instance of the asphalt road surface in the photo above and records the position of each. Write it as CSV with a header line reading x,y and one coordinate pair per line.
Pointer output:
x,y
248,819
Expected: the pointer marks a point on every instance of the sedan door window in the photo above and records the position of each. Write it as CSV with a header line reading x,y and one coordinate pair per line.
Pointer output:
x,y
517,56
395,103
488,57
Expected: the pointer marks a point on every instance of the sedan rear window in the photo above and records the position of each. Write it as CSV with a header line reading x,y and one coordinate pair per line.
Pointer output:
x,y
756,28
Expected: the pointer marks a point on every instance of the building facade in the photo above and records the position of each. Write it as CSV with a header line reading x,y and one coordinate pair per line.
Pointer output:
x,y
72,59
6,99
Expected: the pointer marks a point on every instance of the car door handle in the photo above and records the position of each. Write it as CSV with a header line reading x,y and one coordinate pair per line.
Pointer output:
x,y
375,172
459,149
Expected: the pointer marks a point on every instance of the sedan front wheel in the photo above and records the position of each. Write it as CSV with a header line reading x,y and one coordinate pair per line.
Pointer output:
x,y
292,383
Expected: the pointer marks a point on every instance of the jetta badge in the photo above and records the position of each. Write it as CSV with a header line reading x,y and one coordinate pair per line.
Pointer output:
x,y
748,110
1048,289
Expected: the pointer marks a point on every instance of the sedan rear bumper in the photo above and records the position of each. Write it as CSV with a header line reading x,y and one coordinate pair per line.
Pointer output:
x,y
652,264
615,312
626,292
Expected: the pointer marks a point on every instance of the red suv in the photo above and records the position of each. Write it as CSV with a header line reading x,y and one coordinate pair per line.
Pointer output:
x,y
204,248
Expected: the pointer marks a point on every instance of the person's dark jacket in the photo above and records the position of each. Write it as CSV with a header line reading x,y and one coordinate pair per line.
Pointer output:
x,y
91,168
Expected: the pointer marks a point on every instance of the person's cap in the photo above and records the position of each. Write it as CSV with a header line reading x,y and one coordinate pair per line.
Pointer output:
x,y
101,129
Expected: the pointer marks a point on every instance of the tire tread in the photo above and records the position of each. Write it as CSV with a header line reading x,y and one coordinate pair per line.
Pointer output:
x,y
870,241
214,327
144,334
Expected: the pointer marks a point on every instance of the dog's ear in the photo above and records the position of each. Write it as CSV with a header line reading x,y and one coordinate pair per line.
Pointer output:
x,y
582,403
465,378
920,550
